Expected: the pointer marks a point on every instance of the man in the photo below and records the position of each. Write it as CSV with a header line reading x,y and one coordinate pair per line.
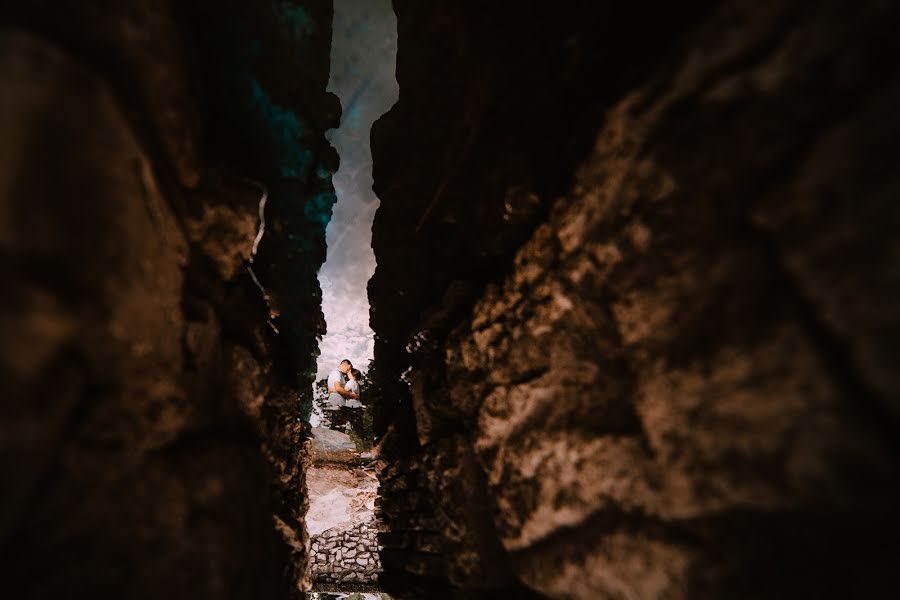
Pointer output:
x,y
337,380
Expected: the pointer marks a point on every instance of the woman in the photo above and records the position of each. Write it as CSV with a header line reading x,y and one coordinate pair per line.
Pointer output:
x,y
354,377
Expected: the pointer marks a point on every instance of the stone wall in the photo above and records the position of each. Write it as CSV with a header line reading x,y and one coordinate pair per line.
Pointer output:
x,y
496,107
681,386
346,555
150,441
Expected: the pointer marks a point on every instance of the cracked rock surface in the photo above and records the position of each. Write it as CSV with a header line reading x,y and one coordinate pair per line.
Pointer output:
x,y
681,385
150,433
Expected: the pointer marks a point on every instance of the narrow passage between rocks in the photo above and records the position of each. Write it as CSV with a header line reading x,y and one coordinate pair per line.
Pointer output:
x,y
341,477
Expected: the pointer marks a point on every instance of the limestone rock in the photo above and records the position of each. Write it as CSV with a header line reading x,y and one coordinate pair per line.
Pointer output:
x,y
684,378
141,381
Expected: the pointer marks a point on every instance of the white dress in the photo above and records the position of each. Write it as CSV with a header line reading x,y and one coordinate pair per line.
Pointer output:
x,y
352,386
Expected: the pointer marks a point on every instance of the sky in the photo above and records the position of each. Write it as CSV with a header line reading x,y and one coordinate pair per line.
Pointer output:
x,y
363,68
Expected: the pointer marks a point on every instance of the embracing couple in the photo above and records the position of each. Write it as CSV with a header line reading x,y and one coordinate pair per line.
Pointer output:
x,y
343,386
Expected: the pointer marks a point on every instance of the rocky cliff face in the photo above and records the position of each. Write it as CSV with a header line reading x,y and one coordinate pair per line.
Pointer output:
x,y
637,268
151,433
682,386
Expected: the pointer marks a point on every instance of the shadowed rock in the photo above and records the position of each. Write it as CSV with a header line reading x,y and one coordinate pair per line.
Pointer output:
x,y
679,386
150,443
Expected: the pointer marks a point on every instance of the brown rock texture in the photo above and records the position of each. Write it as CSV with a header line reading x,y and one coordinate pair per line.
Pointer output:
x,y
496,106
150,442
684,384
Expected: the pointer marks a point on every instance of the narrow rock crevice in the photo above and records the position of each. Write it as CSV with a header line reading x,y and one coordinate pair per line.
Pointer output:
x,y
634,305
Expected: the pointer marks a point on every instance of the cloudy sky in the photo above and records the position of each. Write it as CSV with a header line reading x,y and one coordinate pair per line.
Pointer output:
x,y
363,60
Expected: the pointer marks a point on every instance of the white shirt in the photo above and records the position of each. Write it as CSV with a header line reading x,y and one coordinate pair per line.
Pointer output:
x,y
334,377
335,399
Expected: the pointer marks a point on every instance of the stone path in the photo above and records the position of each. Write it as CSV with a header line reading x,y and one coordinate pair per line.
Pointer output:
x,y
341,516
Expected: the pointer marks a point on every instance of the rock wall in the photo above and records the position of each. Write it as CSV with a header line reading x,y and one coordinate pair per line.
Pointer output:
x,y
346,555
150,434
682,385
496,106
